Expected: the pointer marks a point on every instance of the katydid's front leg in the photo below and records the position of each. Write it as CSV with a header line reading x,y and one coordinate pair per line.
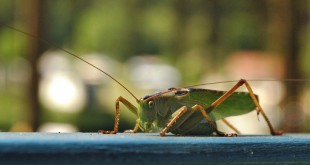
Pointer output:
x,y
136,128
131,107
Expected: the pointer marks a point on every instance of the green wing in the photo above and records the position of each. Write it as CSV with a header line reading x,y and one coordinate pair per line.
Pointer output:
x,y
238,103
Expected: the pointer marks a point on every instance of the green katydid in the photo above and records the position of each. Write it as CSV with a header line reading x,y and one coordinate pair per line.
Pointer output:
x,y
184,111
191,111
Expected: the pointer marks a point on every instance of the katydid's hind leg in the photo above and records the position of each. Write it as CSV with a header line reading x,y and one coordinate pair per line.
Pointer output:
x,y
210,122
259,108
230,126
131,107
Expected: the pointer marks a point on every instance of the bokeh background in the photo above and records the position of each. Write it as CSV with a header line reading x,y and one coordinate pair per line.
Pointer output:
x,y
149,46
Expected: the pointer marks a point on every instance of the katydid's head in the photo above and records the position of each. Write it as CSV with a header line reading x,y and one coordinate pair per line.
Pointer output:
x,y
154,109
147,112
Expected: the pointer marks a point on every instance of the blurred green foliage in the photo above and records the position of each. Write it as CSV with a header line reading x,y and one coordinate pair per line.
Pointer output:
x,y
195,36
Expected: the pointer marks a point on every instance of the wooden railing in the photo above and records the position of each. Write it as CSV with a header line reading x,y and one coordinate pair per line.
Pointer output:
x,y
145,148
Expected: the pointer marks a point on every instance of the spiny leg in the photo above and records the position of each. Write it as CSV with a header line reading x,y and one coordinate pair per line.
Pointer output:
x,y
259,108
174,119
131,107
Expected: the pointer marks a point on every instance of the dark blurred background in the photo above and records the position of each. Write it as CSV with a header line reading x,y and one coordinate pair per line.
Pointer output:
x,y
148,46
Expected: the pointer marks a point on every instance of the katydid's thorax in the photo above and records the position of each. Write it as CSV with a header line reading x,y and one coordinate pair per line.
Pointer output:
x,y
158,109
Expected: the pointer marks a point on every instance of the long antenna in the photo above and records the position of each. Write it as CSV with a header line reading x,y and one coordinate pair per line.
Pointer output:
x,y
250,80
107,74
70,53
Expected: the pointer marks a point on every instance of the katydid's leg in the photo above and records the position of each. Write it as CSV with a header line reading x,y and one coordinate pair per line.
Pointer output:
x,y
196,107
174,119
131,107
259,108
230,126
136,128
207,117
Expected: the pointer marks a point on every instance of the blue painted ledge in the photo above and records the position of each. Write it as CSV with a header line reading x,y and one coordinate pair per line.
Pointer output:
x,y
142,148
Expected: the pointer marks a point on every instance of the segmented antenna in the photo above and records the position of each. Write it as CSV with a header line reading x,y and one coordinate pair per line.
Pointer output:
x,y
70,53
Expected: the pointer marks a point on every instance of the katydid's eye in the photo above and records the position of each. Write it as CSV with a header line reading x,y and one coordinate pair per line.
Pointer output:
x,y
151,104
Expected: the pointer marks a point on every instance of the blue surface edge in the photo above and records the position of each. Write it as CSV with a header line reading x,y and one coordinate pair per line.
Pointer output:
x,y
150,148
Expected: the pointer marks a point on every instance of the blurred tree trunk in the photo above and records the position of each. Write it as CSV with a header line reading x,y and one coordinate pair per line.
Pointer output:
x,y
179,41
284,27
33,10
293,112
215,29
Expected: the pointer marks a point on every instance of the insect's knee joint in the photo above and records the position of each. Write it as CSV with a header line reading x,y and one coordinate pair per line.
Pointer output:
x,y
242,80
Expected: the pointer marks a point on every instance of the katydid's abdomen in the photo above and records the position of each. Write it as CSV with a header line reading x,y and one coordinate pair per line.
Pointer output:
x,y
192,122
